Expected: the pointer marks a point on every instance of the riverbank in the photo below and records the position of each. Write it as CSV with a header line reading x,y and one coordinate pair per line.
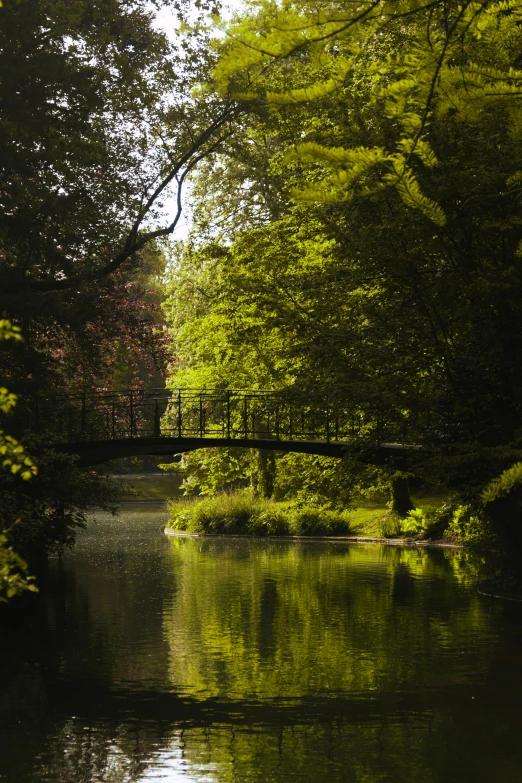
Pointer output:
x,y
405,541
244,515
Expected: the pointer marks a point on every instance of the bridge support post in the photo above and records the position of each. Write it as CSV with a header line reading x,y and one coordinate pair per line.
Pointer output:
x,y
245,417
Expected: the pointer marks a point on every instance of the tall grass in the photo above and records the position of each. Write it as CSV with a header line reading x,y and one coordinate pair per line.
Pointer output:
x,y
240,513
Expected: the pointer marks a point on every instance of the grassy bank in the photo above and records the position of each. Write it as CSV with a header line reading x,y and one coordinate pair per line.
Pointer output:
x,y
242,514
374,518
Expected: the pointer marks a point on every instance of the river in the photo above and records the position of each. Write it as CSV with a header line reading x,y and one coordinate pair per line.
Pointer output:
x,y
149,658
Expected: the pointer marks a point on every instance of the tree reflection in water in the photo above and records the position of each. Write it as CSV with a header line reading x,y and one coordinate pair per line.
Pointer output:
x,y
237,660
284,621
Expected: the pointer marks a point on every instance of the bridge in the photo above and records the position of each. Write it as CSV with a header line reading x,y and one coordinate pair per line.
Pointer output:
x,y
100,426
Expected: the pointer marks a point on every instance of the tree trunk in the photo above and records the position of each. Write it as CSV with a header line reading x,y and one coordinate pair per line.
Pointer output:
x,y
402,502
264,473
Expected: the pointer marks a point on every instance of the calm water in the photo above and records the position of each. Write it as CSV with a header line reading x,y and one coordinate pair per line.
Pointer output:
x,y
154,659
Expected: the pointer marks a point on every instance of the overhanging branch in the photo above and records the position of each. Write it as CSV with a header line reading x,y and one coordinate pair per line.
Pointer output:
x,y
136,238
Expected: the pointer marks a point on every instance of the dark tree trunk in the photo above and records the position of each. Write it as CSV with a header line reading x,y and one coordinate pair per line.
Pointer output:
x,y
402,502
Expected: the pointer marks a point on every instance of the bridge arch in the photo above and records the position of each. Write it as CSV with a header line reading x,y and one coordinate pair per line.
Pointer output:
x,y
96,452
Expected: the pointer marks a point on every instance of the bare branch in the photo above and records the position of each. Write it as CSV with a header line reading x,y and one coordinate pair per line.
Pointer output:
x,y
136,239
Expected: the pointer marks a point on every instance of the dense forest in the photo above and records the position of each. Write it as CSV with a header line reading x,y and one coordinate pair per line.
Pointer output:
x,y
352,173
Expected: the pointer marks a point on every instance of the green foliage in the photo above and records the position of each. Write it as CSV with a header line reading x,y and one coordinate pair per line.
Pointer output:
x,y
415,523
503,485
422,522
7,400
14,577
241,513
247,318
12,453
366,238
94,124
14,457
471,529
100,124
311,93
44,517
413,65
9,332
323,481
209,471
238,513
390,526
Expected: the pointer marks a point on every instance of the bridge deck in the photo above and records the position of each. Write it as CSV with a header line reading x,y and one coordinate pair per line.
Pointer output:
x,y
96,452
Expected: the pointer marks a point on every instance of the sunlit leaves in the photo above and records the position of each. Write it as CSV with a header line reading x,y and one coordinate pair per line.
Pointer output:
x,y
417,63
8,331
7,400
13,570
406,183
12,453
504,484
14,578
306,94
14,458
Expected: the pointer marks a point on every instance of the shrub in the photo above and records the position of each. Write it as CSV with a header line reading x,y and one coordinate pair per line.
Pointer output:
x,y
467,528
390,525
415,523
241,513
317,522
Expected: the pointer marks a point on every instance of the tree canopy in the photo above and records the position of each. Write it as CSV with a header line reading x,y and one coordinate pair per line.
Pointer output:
x,y
363,229
101,120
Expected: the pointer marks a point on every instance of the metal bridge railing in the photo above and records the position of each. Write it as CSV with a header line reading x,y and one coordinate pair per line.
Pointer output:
x,y
212,413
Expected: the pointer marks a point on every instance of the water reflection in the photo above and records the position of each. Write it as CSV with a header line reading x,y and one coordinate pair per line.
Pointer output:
x,y
279,620
212,660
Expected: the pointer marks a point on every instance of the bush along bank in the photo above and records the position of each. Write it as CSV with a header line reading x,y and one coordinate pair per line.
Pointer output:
x,y
243,514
